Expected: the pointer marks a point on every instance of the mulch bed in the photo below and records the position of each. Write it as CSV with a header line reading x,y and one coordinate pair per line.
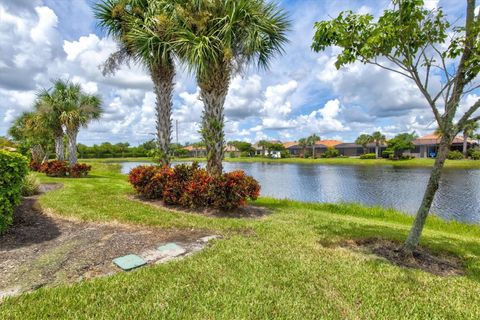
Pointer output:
x,y
247,212
439,264
41,249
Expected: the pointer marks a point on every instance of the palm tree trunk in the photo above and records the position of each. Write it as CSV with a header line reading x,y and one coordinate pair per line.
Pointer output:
x,y
465,145
59,148
376,150
313,151
213,92
432,187
163,80
72,146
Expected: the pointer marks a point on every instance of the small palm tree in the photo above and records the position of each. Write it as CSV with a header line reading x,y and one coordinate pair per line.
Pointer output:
x,y
80,110
378,138
144,30
50,105
468,132
364,140
312,141
218,39
304,144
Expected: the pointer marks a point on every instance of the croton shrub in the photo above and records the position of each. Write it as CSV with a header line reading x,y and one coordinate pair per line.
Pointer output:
x,y
13,169
56,168
193,187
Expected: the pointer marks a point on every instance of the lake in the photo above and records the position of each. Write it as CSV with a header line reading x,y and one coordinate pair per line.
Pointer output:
x,y
399,188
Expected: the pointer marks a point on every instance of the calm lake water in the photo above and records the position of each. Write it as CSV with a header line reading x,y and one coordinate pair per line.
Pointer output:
x,y
399,188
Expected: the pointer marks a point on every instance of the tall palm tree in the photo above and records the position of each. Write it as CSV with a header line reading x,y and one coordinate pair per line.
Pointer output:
x,y
312,141
304,144
144,30
265,145
81,109
364,140
468,132
50,104
218,38
378,138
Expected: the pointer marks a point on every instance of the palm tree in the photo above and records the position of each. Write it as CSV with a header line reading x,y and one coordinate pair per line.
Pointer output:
x,y
364,140
468,132
312,141
144,30
81,109
217,40
304,144
50,105
378,138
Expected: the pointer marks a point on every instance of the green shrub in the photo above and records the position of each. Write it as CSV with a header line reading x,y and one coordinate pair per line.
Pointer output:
x,y
13,169
330,153
245,154
475,155
455,155
368,156
31,185
388,154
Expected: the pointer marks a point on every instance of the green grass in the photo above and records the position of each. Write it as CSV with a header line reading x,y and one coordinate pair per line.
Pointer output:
x,y
275,267
415,163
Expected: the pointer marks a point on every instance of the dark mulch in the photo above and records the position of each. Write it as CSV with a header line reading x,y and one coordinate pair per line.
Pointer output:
x,y
440,264
248,211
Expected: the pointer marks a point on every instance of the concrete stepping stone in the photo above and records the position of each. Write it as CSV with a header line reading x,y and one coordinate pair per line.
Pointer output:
x,y
129,262
208,238
171,250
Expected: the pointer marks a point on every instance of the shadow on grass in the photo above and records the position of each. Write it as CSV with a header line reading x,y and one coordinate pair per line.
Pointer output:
x,y
29,227
467,251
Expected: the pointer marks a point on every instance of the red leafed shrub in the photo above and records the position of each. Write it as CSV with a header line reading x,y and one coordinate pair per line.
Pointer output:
x,y
34,166
232,190
141,177
54,168
79,170
192,187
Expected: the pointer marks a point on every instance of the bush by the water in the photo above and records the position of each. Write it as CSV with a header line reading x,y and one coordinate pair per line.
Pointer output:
x,y
387,154
192,187
31,185
330,153
368,156
474,154
455,155
56,168
13,169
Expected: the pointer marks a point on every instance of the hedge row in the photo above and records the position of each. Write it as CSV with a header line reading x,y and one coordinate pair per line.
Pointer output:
x,y
13,169
192,187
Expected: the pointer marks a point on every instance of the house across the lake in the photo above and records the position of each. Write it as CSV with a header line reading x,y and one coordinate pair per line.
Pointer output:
x,y
427,146
321,146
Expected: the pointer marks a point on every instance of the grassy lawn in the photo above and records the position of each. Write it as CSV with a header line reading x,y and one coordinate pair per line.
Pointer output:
x,y
418,163
276,267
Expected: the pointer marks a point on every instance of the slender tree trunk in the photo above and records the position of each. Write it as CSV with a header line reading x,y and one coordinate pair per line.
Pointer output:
x,y
213,91
59,148
313,151
377,147
72,146
38,153
465,145
432,187
163,80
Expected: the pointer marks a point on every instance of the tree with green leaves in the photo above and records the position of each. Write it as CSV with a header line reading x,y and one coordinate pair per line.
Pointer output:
x,y
437,54
216,41
468,132
49,106
364,140
145,31
303,143
401,143
32,136
379,139
81,108
265,145
312,142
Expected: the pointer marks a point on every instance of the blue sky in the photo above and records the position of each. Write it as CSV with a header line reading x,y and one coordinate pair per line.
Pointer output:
x,y
301,94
